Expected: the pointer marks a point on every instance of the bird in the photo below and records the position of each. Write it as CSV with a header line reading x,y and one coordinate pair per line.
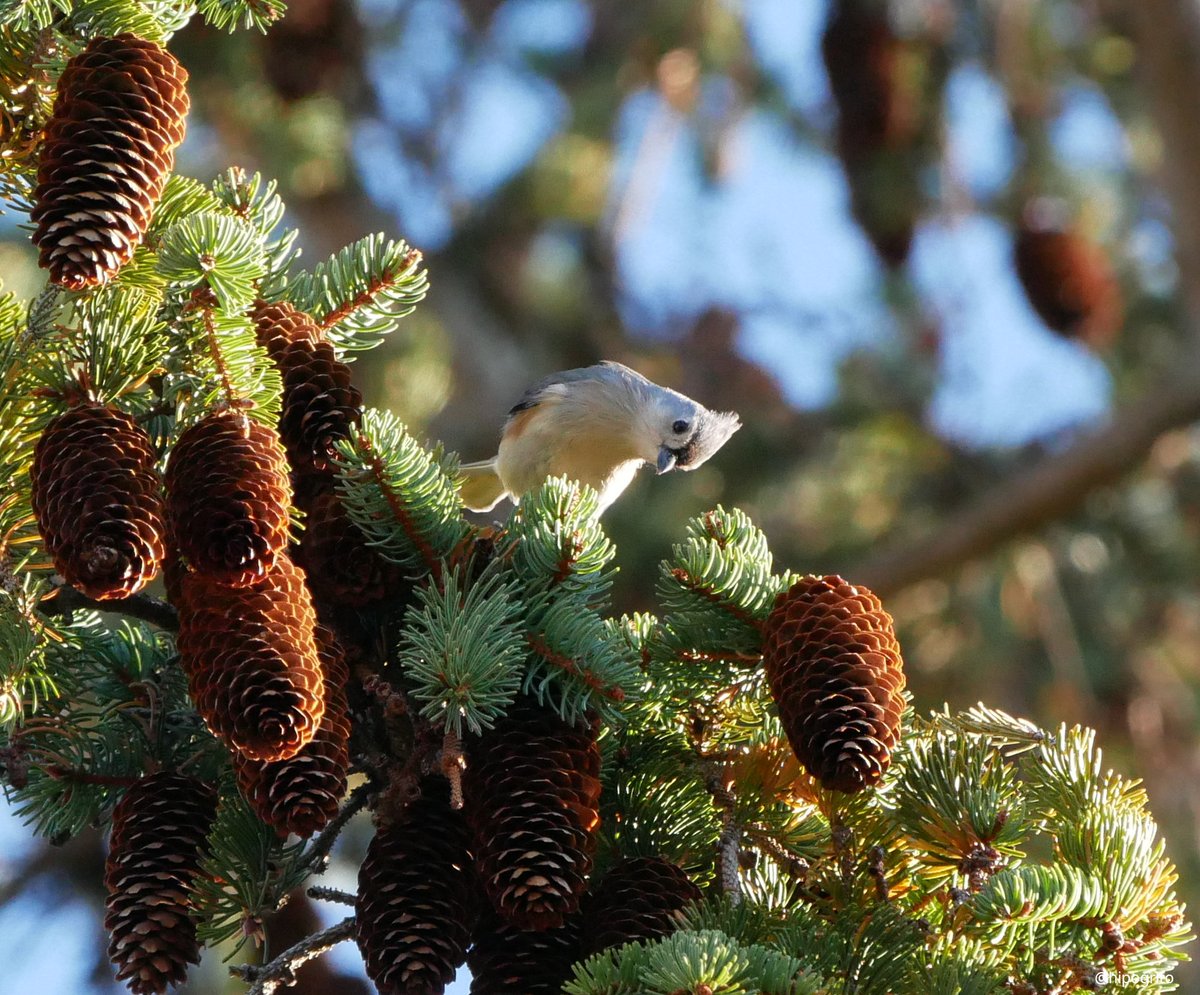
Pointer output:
x,y
597,425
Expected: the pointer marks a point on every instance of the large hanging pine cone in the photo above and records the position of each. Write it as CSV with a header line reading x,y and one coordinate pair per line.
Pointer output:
x,y
1070,283
251,660
532,788
109,147
228,497
300,795
158,836
417,898
639,899
97,502
878,105
505,960
342,568
835,672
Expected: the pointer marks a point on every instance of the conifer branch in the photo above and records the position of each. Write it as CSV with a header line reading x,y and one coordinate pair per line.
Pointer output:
x,y
324,894
699,588
568,666
281,972
322,845
66,599
378,284
399,512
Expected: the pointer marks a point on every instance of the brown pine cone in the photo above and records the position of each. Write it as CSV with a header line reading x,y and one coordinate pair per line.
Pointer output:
x,y
302,794
878,105
505,960
417,897
109,147
158,836
343,569
532,789
835,672
320,404
1070,283
251,660
228,497
280,325
96,496
639,899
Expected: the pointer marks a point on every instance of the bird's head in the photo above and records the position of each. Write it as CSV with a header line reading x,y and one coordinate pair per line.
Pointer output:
x,y
687,433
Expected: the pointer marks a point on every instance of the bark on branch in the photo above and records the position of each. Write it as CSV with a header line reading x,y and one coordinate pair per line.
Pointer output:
x,y
1049,489
1167,36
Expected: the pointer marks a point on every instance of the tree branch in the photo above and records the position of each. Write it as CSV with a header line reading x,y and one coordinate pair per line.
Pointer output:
x,y
281,972
1167,35
322,844
67,599
1049,489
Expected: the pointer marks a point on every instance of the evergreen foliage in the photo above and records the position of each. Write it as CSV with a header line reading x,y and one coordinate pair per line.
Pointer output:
x,y
993,857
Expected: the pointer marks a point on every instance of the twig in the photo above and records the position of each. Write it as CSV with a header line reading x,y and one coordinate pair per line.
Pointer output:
x,y
319,850
281,972
323,894
1046,491
727,846
67,599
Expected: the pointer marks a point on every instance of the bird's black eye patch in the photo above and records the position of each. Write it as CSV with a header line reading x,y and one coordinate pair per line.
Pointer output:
x,y
680,427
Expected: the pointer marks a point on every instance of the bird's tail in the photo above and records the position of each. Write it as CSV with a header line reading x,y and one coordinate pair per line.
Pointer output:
x,y
479,485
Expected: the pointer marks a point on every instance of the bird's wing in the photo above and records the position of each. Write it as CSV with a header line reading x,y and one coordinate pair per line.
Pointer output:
x,y
479,485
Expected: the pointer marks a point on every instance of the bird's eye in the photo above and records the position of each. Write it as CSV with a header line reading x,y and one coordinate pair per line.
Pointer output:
x,y
680,427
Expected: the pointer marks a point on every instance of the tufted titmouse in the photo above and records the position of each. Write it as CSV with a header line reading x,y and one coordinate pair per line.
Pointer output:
x,y
598,425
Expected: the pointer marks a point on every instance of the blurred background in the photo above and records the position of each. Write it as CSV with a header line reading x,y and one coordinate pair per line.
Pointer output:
x,y
938,255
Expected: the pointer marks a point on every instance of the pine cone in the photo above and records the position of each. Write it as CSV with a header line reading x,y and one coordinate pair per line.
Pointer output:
x,y
301,795
228,497
251,660
320,404
342,568
505,960
97,502
158,836
878,106
109,147
280,325
1069,282
417,899
835,672
532,789
639,899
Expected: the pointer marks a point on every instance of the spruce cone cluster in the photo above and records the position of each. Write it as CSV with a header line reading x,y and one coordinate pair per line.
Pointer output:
x,y
158,835
835,671
251,660
532,789
96,500
109,147
228,497
1069,282
639,899
505,960
301,794
417,898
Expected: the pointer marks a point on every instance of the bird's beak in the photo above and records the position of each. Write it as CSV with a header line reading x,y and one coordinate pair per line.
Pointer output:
x,y
666,460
